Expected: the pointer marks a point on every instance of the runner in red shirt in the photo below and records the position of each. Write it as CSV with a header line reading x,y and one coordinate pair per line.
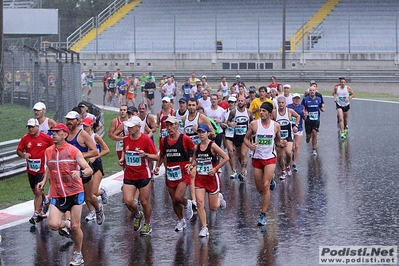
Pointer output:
x,y
138,151
174,152
32,147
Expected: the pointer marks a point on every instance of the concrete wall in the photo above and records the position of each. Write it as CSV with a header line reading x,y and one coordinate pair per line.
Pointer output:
x,y
214,61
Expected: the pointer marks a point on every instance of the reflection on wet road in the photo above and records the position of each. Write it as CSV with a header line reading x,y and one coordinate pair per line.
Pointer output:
x,y
347,195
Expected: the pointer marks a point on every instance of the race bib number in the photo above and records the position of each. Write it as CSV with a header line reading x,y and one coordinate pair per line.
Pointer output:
x,y
293,120
111,85
195,139
174,173
150,91
133,158
170,96
34,165
241,129
342,99
187,91
164,133
224,91
284,133
204,167
264,140
314,116
131,90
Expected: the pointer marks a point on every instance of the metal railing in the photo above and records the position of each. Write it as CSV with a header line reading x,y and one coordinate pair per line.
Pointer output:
x,y
80,32
10,163
94,22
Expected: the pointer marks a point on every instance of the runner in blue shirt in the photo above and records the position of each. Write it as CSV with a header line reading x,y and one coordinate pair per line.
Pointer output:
x,y
313,105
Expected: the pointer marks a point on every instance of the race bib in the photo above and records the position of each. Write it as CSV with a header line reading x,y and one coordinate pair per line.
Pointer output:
x,y
264,140
187,91
342,99
241,129
284,133
133,158
314,116
174,173
293,120
230,131
131,90
34,165
151,91
204,167
164,133
120,143
111,85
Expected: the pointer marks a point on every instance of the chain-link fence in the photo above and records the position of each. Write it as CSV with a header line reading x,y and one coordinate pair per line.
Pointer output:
x,y
51,76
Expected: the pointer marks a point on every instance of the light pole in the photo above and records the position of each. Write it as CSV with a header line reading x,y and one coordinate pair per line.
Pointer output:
x,y
283,50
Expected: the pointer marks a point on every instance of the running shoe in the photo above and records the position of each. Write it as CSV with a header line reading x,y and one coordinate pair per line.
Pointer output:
x,y
147,229
272,184
65,231
262,219
46,205
346,131
188,210
33,219
104,196
194,205
288,170
283,175
77,259
137,221
181,224
307,140
314,153
222,201
91,216
204,232
241,176
233,175
343,136
100,217
294,168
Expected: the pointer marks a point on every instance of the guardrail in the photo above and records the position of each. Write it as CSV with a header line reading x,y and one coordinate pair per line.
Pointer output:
x,y
10,163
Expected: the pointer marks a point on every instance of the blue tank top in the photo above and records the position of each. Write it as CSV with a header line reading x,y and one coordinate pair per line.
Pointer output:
x,y
75,143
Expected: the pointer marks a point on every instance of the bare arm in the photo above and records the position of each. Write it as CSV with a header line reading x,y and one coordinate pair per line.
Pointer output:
x,y
252,128
89,142
103,145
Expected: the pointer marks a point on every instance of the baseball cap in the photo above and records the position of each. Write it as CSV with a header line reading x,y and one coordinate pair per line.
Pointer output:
x,y
87,121
133,121
167,99
172,119
238,77
60,126
32,122
268,90
294,95
182,100
204,77
39,106
203,127
252,89
313,82
81,104
73,115
232,99
197,80
287,86
132,109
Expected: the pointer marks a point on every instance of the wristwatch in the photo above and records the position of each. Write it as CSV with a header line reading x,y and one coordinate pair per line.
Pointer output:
x,y
81,173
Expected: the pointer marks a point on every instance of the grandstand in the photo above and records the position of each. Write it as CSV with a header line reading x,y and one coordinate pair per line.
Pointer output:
x,y
249,26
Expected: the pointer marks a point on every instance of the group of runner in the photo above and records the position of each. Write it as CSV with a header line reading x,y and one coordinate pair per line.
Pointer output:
x,y
195,142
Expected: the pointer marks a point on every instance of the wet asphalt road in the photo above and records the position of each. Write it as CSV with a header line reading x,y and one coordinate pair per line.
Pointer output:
x,y
347,195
